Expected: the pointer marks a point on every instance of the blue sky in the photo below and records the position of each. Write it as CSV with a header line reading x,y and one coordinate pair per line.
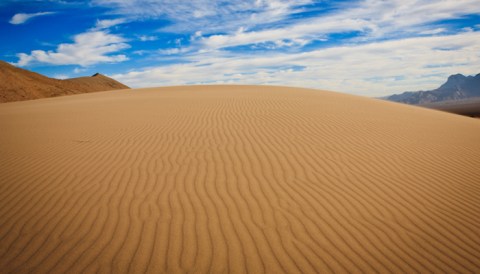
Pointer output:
x,y
364,47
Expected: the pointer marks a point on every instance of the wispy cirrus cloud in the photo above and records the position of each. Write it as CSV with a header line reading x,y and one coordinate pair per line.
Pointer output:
x,y
298,32
108,23
207,15
88,48
370,19
22,18
243,22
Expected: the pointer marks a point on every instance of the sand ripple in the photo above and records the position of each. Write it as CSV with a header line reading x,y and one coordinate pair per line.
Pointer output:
x,y
236,179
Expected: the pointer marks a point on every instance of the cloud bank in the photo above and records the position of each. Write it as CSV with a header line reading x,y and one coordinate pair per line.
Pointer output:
x,y
373,69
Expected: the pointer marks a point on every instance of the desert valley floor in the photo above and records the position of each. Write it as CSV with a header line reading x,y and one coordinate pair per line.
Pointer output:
x,y
236,179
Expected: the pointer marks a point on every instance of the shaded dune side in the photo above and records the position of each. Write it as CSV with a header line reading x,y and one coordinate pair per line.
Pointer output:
x,y
217,179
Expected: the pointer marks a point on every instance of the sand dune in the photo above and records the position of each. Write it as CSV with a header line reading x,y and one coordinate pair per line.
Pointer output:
x,y
236,179
18,84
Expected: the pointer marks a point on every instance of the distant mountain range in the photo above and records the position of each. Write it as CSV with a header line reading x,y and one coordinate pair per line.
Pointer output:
x,y
18,84
457,87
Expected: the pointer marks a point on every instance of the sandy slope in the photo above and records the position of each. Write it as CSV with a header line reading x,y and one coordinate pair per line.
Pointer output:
x,y
236,179
18,84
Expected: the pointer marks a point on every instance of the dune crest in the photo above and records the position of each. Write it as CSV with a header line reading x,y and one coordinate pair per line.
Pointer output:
x,y
236,179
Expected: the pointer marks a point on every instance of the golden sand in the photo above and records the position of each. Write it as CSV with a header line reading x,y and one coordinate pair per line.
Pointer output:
x,y
236,179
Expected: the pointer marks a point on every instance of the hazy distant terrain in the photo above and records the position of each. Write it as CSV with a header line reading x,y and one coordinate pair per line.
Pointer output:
x,y
457,87
467,107
18,84
236,179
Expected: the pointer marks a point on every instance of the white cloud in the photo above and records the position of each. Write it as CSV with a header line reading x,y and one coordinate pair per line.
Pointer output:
x,y
267,21
107,23
145,38
78,70
373,19
433,31
374,69
60,76
87,49
171,51
207,15
300,32
22,18
141,52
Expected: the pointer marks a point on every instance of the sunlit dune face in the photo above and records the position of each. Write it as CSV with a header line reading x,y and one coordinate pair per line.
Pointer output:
x,y
236,179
